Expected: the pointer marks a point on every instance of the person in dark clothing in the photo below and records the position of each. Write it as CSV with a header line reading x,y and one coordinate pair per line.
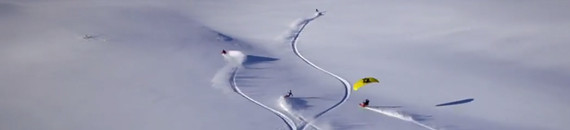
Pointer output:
x,y
365,103
289,94
319,13
224,52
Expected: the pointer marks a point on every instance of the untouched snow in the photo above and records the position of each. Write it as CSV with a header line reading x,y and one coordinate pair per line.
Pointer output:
x,y
157,64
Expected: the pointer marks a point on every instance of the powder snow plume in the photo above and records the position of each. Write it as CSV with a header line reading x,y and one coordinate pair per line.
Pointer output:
x,y
234,60
287,106
292,106
297,25
400,115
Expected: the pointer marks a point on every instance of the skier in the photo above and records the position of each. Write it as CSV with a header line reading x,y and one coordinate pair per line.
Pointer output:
x,y
88,36
289,94
365,103
319,13
224,52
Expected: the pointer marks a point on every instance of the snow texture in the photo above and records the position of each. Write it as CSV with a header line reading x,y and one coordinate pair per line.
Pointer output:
x,y
153,65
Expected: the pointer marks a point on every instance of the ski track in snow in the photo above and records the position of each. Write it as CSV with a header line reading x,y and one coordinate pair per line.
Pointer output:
x,y
290,123
304,23
283,105
401,116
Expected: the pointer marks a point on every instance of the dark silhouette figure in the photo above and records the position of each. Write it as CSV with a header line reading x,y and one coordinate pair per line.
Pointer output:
x,y
88,36
224,52
365,103
319,13
289,94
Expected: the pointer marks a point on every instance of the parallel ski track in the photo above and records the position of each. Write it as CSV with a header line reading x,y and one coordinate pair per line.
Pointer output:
x,y
342,80
298,116
290,123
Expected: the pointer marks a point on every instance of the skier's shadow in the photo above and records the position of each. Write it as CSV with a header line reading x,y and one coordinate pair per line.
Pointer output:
x,y
252,59
420,117
299,103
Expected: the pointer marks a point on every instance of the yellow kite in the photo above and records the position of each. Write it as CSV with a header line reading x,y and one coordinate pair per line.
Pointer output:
x,y
364,81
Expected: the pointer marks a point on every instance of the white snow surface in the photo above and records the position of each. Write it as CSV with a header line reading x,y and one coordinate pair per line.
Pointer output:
x,y
157,64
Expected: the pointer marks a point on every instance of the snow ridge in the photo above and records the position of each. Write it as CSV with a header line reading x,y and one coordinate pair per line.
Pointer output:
x,y
302,25
283,117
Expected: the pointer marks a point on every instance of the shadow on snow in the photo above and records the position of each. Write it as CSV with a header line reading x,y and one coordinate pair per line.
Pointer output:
x,y
299,103
252,59
456,102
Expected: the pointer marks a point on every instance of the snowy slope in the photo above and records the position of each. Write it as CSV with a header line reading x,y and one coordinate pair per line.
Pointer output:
x,y
508,56
157,64
152,71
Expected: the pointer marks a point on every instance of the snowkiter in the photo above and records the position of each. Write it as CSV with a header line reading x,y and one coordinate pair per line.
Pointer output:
x,y
365,103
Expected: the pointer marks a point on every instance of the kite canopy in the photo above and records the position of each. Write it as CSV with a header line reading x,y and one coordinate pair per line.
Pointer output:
x,y
363,82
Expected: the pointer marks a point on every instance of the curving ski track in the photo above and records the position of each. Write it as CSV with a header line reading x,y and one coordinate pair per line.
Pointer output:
x,y
343,81
282,104
290,123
